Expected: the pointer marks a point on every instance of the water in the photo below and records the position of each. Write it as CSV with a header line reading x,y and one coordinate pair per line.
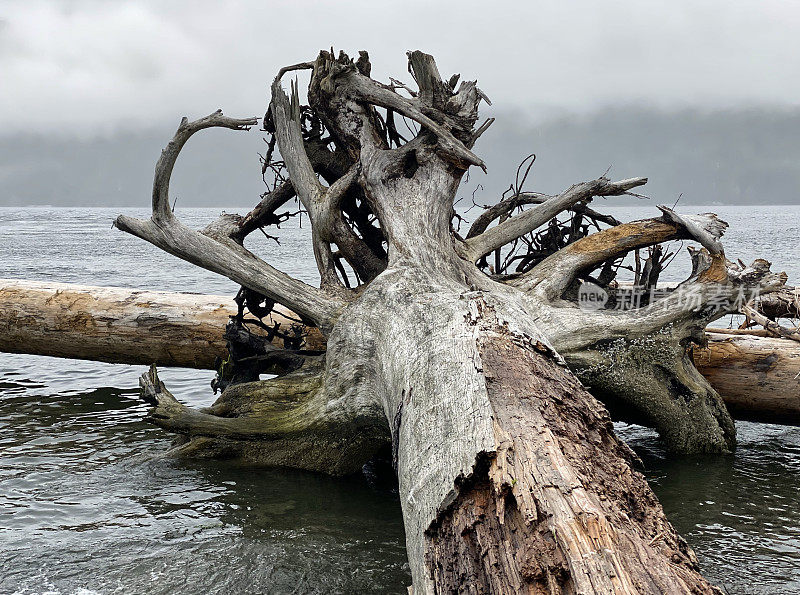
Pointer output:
x,y
88,506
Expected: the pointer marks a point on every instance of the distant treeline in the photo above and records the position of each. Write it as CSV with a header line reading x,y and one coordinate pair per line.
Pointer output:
x,y
733,157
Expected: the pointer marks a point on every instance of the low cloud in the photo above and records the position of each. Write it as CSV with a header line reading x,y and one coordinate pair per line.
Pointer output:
x,y
92,67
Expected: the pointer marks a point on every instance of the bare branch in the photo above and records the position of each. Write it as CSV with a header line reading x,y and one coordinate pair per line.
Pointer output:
x,y
517,226
298,66
286,116
324,257
366,89
480,130
705,228
165,164
263,213
336,191
216,250
321,203
238,264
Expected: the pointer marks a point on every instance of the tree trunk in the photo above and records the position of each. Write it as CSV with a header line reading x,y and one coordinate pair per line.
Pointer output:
x,y
510,476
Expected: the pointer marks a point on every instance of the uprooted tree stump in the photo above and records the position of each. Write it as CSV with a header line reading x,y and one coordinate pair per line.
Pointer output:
x,y
511,478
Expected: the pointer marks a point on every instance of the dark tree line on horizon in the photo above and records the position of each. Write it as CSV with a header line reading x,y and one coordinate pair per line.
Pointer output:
x,y
727,157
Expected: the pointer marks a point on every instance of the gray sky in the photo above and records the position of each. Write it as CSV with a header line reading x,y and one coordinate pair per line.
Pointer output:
x,y
94,66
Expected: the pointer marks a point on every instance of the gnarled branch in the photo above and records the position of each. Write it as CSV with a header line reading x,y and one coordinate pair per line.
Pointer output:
x,y
161,207
551,277
705,228
507,205
517,226
217,252
364,89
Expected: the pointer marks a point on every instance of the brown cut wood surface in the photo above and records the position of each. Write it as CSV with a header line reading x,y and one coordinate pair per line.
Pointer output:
x,y
557,508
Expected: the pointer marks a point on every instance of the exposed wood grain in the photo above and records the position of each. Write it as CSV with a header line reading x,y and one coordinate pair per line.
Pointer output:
x,y
759,377
539,515
118,325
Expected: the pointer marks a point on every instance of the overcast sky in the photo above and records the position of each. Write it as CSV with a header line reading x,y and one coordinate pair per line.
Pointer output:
x,y
96,66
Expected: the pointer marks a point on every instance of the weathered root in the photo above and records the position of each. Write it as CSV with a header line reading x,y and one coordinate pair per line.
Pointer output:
x,y
651,380
278,422
638,361
510,229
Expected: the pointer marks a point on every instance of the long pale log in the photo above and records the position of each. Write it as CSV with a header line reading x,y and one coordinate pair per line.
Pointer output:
x,y
758,377
118,325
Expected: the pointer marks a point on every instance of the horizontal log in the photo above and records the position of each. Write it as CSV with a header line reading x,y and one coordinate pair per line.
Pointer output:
x,y
117,325
757,376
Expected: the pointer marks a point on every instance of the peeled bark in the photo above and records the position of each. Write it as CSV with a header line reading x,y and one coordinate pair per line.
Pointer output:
x,y
597,540
112,324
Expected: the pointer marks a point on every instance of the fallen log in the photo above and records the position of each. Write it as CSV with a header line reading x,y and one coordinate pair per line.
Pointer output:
x,y
118,325
758,376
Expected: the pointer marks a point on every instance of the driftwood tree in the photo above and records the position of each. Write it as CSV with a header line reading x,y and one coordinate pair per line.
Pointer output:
x,y
511,478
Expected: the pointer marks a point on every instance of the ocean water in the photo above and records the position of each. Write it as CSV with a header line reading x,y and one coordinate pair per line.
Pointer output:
x,y
87,505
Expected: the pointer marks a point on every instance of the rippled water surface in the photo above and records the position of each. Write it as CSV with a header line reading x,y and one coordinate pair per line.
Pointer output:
x,y
88,506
